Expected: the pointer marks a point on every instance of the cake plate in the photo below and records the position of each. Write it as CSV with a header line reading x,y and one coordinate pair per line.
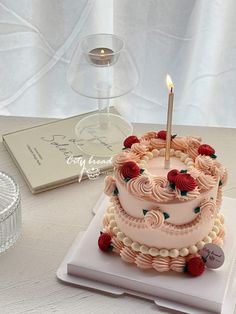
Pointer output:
x,y
213,292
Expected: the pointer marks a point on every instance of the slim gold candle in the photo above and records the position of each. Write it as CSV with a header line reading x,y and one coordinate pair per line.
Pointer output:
x,y
169,120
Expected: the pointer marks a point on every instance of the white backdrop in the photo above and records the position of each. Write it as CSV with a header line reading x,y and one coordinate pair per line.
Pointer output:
x,y
37,40
193,41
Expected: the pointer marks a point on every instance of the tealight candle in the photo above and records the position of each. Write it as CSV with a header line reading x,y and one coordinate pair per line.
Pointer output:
x,y
169,120
101,56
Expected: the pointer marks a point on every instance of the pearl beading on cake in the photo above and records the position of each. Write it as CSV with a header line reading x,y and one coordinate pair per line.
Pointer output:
x,y
161,152
215,236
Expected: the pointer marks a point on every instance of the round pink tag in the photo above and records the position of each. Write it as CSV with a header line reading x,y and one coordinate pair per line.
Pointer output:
x,y
213,255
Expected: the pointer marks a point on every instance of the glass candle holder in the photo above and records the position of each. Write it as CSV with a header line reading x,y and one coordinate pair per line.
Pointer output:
x,y
10,212
102,68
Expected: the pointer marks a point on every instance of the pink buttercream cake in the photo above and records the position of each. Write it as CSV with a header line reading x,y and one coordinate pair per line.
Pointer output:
x,y
161,218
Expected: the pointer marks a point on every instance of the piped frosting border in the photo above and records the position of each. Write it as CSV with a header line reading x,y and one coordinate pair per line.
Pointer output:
x,y
206,171
216,236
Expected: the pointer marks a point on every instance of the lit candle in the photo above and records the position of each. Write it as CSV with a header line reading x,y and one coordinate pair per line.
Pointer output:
x,y
101,56
169,120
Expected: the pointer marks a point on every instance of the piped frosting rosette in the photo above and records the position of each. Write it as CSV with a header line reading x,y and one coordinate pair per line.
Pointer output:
x,y
145,142
179,143
220,170
204,163
127,155
110,185
204,181
211,167
141,186
157,143
154,219
139,149
161,191
193,144
149,135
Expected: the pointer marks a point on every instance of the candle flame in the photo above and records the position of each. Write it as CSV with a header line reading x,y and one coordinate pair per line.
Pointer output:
x,y
102,51
169,82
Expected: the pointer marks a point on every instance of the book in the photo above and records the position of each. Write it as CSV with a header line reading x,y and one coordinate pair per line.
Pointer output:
x,y
48,155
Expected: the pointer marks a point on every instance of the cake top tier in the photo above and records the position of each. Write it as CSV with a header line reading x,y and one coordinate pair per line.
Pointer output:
x,y
194,167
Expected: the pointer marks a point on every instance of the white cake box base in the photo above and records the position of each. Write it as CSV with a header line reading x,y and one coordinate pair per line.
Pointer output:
x,y
213,292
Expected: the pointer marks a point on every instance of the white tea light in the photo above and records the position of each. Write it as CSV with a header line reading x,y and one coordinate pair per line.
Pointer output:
x,y
101,56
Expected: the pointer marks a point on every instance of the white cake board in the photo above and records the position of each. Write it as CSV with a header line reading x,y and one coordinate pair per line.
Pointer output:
x,y
214,291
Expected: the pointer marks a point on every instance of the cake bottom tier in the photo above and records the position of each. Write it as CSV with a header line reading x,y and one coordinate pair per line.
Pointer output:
x,y
161,260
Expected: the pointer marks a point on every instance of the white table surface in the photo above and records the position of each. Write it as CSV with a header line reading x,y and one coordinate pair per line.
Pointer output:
x,y
52,220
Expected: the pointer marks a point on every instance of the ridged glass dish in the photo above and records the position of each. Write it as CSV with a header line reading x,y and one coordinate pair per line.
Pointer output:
x,y
10,212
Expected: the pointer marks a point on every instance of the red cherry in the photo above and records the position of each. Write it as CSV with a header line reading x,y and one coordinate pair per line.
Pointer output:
x,y
171,176
206,149
162,134
129,141
104,242
184,182
130,170
195,266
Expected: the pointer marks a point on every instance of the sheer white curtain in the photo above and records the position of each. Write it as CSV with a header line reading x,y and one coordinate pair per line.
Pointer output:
x,y
193,41
37,39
